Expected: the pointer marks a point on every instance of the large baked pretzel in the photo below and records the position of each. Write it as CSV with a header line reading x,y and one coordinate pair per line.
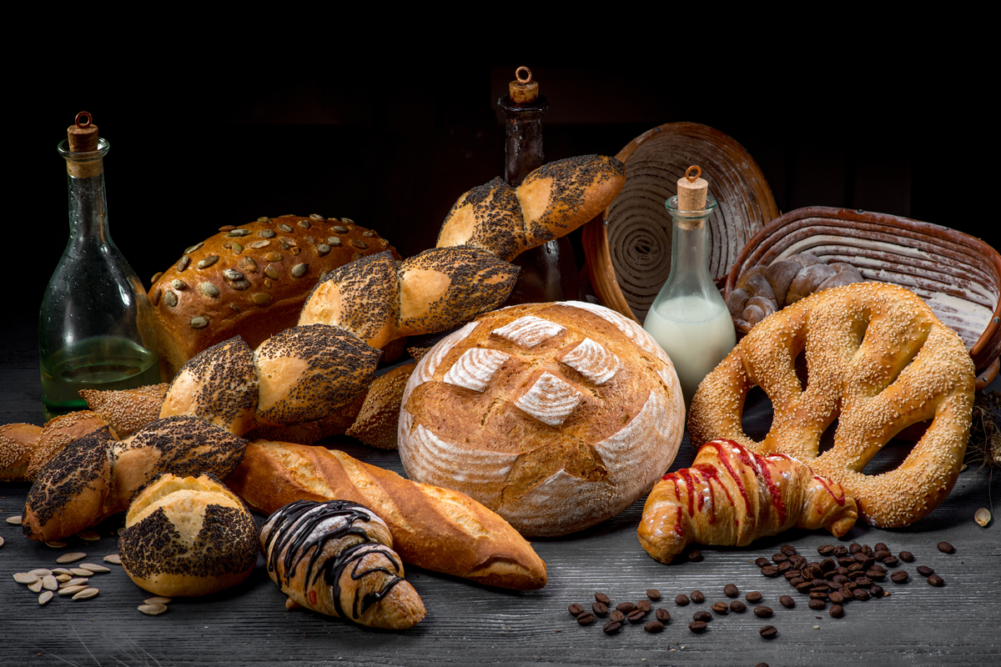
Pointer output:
x,y
878,361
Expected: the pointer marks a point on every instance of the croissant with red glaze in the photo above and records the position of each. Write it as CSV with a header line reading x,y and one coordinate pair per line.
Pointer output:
x,y
732,496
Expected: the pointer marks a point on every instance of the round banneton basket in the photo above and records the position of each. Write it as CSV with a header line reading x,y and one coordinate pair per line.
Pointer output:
x,y
957,275
628,249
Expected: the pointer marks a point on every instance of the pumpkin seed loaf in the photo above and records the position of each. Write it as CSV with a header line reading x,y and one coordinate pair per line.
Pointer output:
x,y
218,386
249,280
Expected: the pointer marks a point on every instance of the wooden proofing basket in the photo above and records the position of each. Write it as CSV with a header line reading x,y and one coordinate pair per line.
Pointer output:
x,y
957,275
628,250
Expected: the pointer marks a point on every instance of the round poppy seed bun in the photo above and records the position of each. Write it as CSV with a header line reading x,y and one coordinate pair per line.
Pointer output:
x,y
188,536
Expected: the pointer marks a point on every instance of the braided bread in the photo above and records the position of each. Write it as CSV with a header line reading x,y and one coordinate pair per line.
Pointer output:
x,y
878,361
741,496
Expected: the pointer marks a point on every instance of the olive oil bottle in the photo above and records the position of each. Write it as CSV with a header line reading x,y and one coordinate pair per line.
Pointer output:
x,y
95,325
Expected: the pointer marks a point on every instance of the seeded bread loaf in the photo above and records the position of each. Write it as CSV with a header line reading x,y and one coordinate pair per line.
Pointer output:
x,y
126,410
17,444
250,281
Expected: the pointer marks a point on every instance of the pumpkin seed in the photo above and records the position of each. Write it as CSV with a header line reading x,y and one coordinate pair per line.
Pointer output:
x,y
299,270
113,558
257,245
369,233
1,541
86,594
240,284
60,570
322,249
63,578
49,583
232,274
237,233
304,224
35,587
183,263
179,284
272,257
340,229
260,298
348,221
316,216
383,243
152,609
170,299
271,272
249,264
40,572
237,248
264,218
159,599
309,239
267,283
156,276
25,578
155,299
71,557
285,228
14,520
75,581
88,535
70,590
80,571
266,234
335,241
45,597
358,243
209,290
208,261
56,545
226,228
285,245
199,322
194,247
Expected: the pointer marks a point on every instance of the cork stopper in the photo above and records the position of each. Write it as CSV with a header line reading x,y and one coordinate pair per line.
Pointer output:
x,y
523,90
692,190
82,134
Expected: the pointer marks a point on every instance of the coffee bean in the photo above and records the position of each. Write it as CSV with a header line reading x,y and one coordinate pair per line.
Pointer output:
x,y
793,574
818,596
784,567
761,664
864,582
879,546
654,626
617,616
738,607
796,581
694,556
804,587
836,598
875,575
820,584
842,571
867,550
946,548
817,604
653,594
698,627
880,555
876,592
753,596
698,597
611,627
854,548
681,600
826,550
779,558
860,594
936,580
828,565
625,607
877,568
585,619
892,560
768,632
720,608
798,561
845,561
840,551
636,616
850,586
600,609
602,598
788,550
837,611
856,567
663,615
704,616
763,612
575,610
770,571
762,562
787,602
730,591
899,576
906,556
925,571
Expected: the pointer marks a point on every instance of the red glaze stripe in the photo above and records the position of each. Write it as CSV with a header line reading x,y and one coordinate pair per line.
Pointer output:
x,y
678,528
312,597
686,475
725,460
826,485
773,489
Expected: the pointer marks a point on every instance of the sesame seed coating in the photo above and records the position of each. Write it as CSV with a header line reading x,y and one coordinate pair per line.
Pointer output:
x,y
127,410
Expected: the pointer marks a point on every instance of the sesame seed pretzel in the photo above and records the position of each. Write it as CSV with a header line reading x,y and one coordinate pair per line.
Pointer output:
x,y
878,360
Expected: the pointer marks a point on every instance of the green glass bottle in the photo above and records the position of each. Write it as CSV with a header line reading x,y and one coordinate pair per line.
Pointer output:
x,y
95,325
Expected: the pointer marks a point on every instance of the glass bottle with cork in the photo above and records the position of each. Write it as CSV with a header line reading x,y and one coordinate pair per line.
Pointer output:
x,y
548,272
95,325
689,318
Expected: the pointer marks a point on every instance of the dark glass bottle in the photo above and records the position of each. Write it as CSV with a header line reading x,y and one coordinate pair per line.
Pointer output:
x,y
548,272
95,325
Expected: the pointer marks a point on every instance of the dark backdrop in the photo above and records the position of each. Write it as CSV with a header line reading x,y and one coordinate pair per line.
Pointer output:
x,y
223,141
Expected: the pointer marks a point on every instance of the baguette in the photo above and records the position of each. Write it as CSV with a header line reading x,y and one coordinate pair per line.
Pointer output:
x,y
434,528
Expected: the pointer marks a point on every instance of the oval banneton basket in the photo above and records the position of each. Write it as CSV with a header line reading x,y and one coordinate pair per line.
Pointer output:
x,y
957,275
629,256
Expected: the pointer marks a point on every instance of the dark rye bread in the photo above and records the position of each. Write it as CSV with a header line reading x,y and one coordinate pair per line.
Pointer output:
x,y
218,386
308,372
362,297
444,287
96,476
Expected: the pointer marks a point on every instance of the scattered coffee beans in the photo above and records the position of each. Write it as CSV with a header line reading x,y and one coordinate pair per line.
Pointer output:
x,y
611,627
925,571
720,608
617,616
762,562
644,606
879,546
698,627
698,597
876,592
818,604
779,558
763,612
694,556
636,616
738,607
654,626
837,611
899,577
625,607
860,594
753,596
836,598
787,602
653,594
770,571
906,556
602,598
892,560
946,548
663,615
600,609
826,550
788,550
730,591
704,616
585,619
936,580
681,600
575,610
768,632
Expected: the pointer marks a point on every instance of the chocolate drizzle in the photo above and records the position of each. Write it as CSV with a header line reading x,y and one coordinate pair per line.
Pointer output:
x,y
292,531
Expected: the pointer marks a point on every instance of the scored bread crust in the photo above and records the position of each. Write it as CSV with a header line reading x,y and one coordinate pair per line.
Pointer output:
x,y
433,528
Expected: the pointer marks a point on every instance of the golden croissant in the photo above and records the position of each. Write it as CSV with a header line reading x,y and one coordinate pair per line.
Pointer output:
x,y
732,496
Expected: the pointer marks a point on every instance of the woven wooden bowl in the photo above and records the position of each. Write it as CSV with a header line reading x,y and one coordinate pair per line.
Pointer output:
x,y
957,275
628,250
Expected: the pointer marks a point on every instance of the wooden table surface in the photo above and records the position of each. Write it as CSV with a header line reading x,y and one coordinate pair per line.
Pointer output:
x,y
918,624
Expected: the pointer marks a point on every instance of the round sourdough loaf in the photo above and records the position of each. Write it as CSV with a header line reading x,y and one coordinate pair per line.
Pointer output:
x,y
556,416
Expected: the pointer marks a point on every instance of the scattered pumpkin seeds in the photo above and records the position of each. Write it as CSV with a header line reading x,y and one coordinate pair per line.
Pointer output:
x,y
155,299
35,587
1,541
76,581
265,234
267,283
236,248
88,535
299,270
304,224
49,583
86,594
60,570
45,597
113,558
383,243
348,221
209,290
340,229
159,599
25,578
271,272
80,572
14,520
233,306
178,284
316,216
334,241
285,228
170,299
358,243
260,298
156,276
199,322
194,247
207,262
257,245
40,572
237,233
296,251
983,516
322,249
152,609
264,218
97,569
71,557
232,274
369,233
273,257
71,590
64,578
240,284
183,263
226,228
249,263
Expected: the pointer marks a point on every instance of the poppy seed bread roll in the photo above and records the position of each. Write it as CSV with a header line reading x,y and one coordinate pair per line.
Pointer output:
x,y
489,217
188,536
